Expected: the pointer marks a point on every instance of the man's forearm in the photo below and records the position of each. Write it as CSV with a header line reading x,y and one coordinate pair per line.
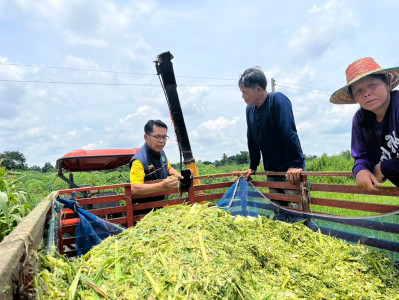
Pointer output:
x,y
165,185
146,188
173,171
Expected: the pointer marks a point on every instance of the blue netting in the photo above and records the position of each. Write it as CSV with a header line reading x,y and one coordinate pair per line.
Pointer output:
x,y
51,242
91,230
380,231
244,199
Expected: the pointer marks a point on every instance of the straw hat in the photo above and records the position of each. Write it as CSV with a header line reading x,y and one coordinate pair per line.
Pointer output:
x,y
358,70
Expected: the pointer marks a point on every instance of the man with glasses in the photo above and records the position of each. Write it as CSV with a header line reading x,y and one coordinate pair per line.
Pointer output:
x,y
151,163
271,130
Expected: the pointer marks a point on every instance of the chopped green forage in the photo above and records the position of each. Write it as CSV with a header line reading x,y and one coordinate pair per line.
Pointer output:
x,y
200,252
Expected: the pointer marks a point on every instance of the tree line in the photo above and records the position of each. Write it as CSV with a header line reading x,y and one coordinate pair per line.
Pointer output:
x,y
15,160
335,162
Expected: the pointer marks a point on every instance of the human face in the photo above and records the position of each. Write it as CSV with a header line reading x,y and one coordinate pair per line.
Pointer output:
x,y
372,94
156,144
252,96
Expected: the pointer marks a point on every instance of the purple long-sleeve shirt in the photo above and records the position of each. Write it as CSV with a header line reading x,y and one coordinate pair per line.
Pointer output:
x,y
377,142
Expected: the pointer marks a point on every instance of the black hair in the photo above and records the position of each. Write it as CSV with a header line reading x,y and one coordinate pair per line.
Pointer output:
x,y
252,78
149,127
383,77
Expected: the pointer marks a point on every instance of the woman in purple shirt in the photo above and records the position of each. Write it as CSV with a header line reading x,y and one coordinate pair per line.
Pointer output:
x,y
375,126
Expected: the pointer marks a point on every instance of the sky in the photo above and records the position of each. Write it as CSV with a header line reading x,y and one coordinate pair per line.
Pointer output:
x,y
80,74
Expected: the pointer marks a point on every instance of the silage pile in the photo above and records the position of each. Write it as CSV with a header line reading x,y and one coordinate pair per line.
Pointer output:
x,y
196,252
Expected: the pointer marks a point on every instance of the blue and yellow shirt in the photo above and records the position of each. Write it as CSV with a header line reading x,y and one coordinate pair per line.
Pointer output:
x,y
148,165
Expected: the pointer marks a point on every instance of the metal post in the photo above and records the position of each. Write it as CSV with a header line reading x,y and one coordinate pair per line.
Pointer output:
x,y
273,85
305,193
129,206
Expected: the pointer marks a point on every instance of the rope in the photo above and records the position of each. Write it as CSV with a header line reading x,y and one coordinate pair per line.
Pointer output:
x,y
52,232
234,193
157,169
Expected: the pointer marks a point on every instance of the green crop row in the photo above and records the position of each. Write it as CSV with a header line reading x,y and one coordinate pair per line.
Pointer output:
x,y
14,204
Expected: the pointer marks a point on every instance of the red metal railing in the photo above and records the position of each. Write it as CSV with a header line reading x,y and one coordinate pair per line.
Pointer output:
x,y
133,209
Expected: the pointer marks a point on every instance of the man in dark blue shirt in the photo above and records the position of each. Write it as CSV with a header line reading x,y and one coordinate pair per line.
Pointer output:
x,y
271,128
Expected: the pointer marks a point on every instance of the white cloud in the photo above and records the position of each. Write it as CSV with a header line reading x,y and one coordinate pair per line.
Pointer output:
x,y
325,27
294,80
75,40
141,111
194,99
8,71
32,132
216,131
135,47
41,93
304,46
92,146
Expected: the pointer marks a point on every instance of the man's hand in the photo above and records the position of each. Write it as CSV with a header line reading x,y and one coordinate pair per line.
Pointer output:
x,y
293,175
367,181
378,174
170,182
178,175
174,172
247,174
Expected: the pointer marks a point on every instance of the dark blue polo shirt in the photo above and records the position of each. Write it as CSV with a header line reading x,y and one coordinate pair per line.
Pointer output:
x,y
272,132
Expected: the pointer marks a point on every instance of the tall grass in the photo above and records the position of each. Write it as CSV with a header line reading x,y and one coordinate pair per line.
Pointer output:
x,y
13,202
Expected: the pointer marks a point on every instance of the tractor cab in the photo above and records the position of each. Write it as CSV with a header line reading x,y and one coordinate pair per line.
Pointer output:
x,y
93,160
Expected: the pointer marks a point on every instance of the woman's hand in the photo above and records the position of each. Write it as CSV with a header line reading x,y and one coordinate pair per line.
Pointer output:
x,y
367,180
378,174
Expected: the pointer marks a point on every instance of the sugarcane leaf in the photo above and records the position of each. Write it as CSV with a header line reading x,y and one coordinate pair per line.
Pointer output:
x,y
73,287
3,205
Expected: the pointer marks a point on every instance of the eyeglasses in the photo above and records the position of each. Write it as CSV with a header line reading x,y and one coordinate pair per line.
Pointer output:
x,y
160,137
